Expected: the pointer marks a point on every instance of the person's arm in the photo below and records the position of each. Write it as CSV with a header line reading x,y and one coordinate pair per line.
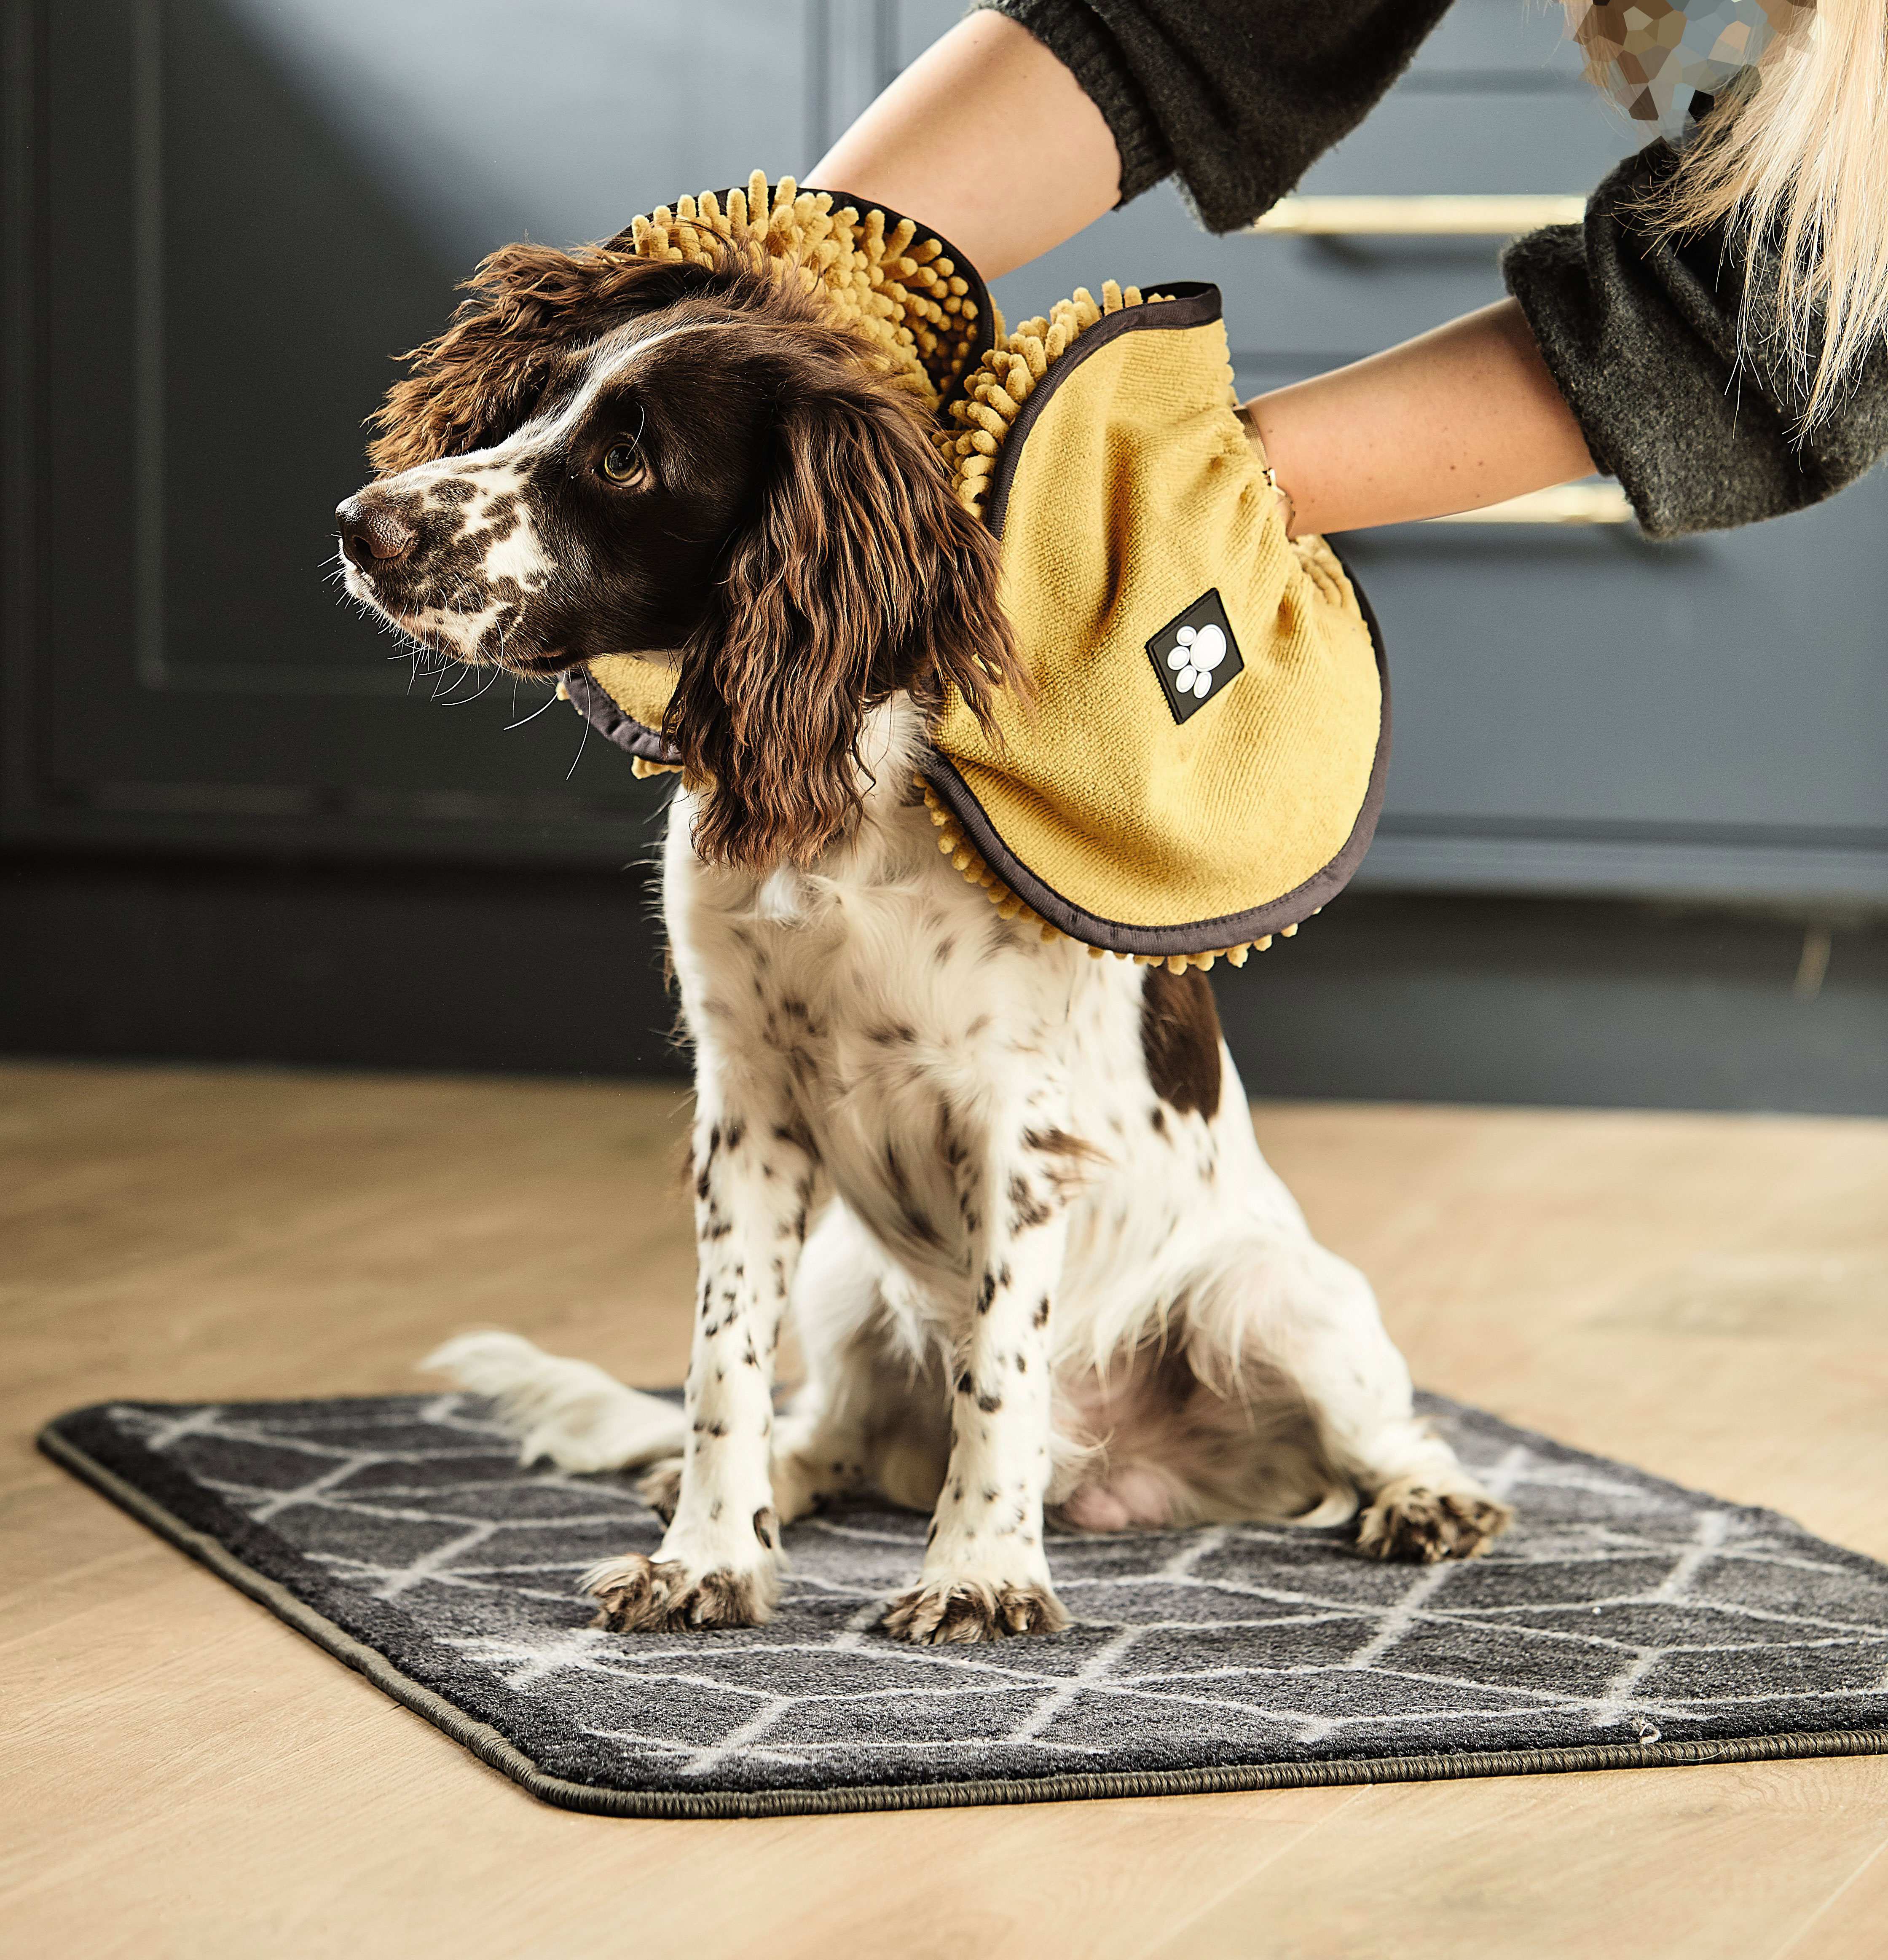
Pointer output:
x,y
1463,417
990,139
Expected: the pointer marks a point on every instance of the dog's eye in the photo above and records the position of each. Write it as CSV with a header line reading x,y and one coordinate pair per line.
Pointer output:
x,y
622,462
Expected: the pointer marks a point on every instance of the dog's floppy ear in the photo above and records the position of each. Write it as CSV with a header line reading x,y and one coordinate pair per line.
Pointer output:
x,y
481,378
860,575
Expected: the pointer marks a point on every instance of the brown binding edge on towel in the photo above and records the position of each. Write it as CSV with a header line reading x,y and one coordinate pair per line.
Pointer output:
x,y
1199,935
1185,303
611,722
497,1753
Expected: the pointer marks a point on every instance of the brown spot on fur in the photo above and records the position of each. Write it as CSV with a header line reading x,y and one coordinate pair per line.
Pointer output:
x,y
661,1487
1026,1209
1180,1038
766,1526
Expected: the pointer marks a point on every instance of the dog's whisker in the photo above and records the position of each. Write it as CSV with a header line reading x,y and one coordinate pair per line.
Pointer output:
x,y
582,740
532,717
479,692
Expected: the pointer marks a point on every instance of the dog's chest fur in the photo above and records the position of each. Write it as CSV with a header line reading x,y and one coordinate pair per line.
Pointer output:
x,y
942,1059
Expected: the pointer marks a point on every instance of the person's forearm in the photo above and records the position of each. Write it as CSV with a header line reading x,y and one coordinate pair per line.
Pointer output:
x,y
987,139
1461,418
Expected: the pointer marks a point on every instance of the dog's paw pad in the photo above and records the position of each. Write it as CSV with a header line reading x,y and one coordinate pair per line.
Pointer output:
x,y
660,1487
1411,1521
637,1595
969,1610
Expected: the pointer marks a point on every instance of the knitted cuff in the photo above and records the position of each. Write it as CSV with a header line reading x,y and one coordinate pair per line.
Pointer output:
x,y
1077,37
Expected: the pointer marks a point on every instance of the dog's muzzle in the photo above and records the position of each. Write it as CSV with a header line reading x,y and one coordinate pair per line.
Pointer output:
x,y
371,535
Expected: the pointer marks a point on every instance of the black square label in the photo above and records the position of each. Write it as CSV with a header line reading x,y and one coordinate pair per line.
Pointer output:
x,y
1196,657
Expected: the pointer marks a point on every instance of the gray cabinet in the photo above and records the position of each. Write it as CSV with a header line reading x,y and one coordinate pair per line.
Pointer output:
x,y
224,215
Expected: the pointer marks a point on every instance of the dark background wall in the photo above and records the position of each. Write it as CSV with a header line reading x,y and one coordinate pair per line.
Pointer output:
x,y
1637,841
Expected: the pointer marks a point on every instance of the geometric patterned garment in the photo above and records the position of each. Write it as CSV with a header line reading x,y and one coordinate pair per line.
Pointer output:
x,y
1653,55
1622,1620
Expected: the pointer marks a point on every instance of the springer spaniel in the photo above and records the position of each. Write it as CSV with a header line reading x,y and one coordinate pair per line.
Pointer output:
x,y
1040,1273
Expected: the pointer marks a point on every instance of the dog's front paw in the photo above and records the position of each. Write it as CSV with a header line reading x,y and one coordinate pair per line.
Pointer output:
x,y
963,1610
1414,1520
637,1595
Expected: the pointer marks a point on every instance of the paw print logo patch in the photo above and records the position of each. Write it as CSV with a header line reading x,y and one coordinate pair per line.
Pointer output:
x,y
1200,650
1196,657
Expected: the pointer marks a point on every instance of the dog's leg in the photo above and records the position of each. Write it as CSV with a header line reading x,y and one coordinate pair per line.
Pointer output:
x,y
1323,1330
717,1566
985,1574
868,1415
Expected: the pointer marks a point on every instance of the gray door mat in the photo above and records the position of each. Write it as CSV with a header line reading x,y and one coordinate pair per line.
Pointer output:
x,y
1624,1622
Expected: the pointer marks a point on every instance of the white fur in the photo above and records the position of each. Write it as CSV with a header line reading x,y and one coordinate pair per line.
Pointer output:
x,y
872,1040
569,1412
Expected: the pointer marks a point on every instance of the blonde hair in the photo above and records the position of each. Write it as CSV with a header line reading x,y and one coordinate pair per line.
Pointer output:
x,y
1793,155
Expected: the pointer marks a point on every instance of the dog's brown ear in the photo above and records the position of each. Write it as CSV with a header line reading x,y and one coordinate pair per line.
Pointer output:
x,y
527,304
860,575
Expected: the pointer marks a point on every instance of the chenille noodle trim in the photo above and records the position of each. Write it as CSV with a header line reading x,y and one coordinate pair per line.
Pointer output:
x,y
1003,379
898,287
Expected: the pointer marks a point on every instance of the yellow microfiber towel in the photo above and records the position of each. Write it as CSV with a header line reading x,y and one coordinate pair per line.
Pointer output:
x,y
1202,762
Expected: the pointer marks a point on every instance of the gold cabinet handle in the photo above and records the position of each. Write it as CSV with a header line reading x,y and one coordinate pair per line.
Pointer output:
x,y
1418,217
1564,503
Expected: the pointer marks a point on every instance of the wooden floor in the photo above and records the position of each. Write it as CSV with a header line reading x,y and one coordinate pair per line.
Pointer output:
x,y
1705,1296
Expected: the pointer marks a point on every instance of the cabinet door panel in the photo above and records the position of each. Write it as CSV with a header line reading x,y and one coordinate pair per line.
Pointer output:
x,y
258,203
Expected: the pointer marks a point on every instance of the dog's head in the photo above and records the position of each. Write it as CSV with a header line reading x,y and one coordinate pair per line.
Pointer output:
x,y
607,455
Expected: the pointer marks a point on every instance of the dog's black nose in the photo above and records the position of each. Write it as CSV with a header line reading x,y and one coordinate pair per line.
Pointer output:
x,y
371,534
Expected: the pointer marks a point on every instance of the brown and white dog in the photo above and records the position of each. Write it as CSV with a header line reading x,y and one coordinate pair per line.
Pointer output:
x,y
1011,1194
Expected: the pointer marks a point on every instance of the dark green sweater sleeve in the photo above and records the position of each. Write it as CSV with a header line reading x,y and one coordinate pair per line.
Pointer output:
x,y
1237,98
1683,393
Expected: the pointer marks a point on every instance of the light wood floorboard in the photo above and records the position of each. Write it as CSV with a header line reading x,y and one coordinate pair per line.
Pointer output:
x,y
1705,1296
